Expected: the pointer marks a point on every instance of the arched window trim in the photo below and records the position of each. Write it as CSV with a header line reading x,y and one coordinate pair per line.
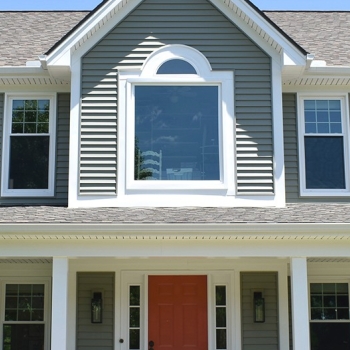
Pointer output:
x,y
170,52
129,77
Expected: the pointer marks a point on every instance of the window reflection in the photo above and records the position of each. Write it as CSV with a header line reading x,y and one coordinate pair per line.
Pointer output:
x,y
176,133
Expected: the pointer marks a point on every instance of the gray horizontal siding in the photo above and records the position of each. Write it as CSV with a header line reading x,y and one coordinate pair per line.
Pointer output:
x,y
198,24
61,161
291,155
259,336
95,336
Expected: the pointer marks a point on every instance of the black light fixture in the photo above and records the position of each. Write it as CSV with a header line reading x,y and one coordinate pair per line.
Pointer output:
x,y
259,307
96,307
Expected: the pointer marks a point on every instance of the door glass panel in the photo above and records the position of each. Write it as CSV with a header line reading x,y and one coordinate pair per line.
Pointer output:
x,y
134,317
221,316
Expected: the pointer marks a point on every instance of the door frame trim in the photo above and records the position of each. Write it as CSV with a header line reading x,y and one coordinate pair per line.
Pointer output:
x,y
214,277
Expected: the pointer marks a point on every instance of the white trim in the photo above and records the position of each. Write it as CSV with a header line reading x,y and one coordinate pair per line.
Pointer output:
x,y
343,98
60,267
300,303
50,191
74,134
278,135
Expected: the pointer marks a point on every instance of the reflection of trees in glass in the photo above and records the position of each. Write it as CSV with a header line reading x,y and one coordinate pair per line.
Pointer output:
x,y
29,162
140,172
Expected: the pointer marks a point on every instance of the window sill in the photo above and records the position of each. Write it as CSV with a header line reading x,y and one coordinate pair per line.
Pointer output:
x,y
27,193
325,193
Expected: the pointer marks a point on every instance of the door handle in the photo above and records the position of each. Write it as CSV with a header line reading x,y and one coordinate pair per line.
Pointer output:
x,y
151,345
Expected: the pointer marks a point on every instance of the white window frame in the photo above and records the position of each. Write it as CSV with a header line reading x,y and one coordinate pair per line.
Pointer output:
x,y
128,79
47,302
343,98
5,190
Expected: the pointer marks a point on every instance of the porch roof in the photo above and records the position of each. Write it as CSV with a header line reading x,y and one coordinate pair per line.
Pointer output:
x,y
323,213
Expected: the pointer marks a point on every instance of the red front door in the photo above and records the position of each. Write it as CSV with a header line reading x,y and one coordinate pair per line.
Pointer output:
x,y
177,313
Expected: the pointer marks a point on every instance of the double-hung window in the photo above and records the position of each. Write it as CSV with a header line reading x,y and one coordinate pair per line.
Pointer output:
x,y
329,316
25,316
28,146
323,134
177,117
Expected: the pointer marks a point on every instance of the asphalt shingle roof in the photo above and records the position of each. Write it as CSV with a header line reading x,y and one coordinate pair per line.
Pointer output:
x,y
292,213
323,34
26,35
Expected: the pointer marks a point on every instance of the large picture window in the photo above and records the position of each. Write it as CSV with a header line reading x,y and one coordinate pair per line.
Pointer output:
x,y
178,122
176,133
28,146
323,152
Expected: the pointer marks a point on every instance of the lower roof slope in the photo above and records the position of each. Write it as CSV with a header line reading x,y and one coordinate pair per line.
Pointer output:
x,y
292,214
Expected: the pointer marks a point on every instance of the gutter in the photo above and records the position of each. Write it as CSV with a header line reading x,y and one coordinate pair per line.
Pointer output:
x,y
241,231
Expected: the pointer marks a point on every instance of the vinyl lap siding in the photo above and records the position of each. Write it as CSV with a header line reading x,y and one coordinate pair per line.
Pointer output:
x,y
61,161
259,336
95,336
198,24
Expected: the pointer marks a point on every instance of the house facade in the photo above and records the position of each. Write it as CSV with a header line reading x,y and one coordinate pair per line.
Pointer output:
x,y
174,175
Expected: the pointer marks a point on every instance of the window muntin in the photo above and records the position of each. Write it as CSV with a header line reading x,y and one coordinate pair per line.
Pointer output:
x,y
179,126
24,326
28,159
324,165
329,301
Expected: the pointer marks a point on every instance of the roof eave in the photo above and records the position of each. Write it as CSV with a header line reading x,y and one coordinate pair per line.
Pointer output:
x,y
60,53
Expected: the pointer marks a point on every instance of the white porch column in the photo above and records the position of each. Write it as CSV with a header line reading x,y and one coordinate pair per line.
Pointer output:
x,y
59,303
300,305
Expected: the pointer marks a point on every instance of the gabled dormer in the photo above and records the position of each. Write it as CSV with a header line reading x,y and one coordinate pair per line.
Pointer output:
x,y
211,124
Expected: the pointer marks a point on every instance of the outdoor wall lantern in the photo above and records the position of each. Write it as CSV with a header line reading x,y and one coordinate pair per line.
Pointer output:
x,y
259,308
96,307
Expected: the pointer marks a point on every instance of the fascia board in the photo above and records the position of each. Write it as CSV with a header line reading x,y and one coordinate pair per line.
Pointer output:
x,y
61,56
329,71
333,231
23,71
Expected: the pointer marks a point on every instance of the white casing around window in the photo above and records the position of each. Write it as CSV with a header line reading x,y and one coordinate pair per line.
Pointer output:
x,y
204,77
5,191
343,98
